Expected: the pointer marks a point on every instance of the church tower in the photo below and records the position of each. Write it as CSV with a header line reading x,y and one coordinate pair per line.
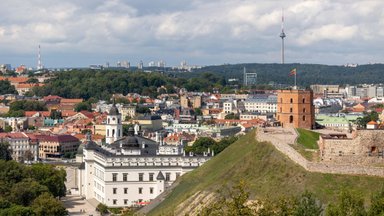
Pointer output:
x,y
114,127
295,108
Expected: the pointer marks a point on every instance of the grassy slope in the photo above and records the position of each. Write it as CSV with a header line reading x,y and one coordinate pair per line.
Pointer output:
x,y
308,138
268,174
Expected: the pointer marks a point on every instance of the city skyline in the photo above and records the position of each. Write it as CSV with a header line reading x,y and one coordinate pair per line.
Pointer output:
x,y
73,34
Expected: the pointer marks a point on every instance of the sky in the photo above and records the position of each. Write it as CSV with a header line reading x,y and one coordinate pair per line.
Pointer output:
x,y
78,33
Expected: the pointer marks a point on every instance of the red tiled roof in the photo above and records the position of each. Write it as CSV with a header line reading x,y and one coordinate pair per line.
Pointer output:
x,y
41,113
57,138
75,100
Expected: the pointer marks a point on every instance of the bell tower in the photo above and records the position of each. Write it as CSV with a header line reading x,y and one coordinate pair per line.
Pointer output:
x,y
114,127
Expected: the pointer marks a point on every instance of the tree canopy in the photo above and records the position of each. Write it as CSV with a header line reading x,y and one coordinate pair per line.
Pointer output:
x,y
31,190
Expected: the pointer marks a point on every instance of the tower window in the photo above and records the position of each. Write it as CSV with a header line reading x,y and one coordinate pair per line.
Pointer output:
x,y
291,100
303,100
290,119
290,110
303,118
303,110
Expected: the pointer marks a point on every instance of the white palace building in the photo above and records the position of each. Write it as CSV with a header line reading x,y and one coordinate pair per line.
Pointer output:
x,y
132,170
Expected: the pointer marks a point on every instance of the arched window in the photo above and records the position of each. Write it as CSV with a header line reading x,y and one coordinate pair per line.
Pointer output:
x,y
303,110
113,132
303,100
291,100
303,118
290,119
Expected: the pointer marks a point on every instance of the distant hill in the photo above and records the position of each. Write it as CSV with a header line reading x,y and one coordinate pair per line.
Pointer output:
x,y
267,172
307,74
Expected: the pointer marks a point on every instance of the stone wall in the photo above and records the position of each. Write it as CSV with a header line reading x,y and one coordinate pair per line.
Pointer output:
x,y
366,148
281,143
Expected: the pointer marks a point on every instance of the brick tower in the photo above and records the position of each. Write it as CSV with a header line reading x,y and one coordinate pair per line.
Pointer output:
x,y
295,108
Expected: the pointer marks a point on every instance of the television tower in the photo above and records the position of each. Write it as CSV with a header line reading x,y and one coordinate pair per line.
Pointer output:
x,y
282,35
39,64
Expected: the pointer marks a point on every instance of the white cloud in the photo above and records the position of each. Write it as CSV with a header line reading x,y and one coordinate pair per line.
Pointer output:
x,y
208,32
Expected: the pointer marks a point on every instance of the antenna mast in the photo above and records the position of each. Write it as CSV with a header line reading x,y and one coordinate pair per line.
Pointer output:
x,y
282,35
39,64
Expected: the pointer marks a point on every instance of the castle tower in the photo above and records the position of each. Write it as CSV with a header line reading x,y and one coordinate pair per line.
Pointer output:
x,y
295,108
114,127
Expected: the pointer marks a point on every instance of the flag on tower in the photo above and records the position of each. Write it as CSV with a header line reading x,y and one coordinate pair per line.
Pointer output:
x,y
293,72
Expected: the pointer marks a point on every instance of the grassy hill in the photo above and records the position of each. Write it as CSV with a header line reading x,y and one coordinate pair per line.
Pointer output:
x,y
267,172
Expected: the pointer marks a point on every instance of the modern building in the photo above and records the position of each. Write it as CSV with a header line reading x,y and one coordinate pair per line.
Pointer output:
x,y
55,146
261,103
295,108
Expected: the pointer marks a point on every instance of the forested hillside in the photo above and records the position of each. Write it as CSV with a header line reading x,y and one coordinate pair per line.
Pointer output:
x,y
307,74
101,84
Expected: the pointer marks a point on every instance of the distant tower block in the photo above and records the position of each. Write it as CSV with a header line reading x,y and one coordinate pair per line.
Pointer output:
x,y
282,35
295,108
249,78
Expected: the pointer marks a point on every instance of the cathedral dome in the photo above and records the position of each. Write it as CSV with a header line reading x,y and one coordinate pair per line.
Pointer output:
x,y
130,141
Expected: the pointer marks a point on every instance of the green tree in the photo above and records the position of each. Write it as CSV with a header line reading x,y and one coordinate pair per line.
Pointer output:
x,y
307,205
368,116
6,87
8,129
232,116
24,192
103,209
46,204
201,145
5,151
55,114
83,106
198,112
32,80
231,201
50,177
348,204
143,110
17,210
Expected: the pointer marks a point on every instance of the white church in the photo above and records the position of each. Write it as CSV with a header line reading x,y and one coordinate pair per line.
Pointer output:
x,y
132,170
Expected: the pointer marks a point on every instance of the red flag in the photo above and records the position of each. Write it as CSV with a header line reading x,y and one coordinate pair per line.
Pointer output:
x,y
293,72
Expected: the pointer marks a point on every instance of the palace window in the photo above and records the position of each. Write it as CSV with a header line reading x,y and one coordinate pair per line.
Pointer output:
x,y
114,177
167,176
125,176
141,176
151,190
125,190
151,176
140,190
114,190
114,202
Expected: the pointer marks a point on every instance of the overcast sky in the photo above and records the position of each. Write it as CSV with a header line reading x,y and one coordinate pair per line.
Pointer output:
x,y
76,33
